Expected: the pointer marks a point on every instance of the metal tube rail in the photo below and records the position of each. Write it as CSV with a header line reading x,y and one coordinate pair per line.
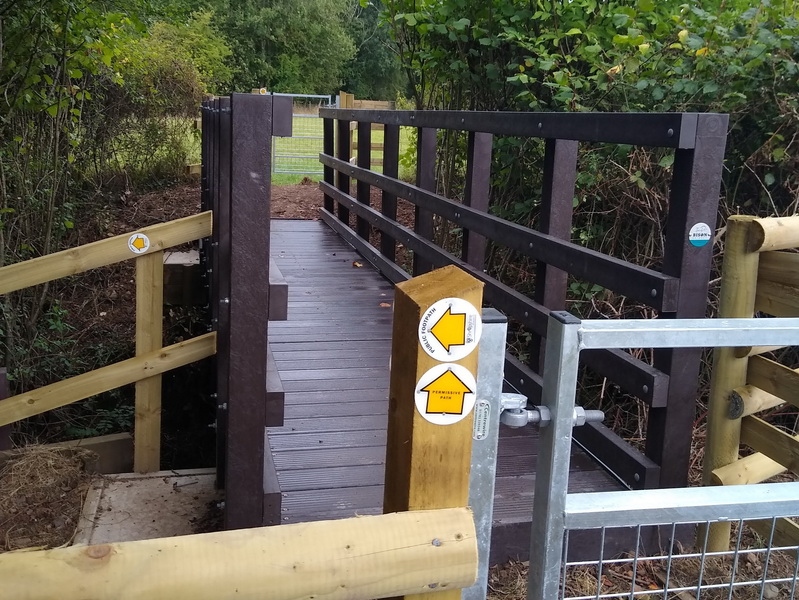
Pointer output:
x,y
680,505
687,333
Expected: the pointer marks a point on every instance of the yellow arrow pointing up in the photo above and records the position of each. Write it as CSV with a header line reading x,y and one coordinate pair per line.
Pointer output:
x,y
450,329
138,243
445,394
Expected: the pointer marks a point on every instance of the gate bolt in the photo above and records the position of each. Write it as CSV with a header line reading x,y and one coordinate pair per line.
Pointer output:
x,y
541,415
582,416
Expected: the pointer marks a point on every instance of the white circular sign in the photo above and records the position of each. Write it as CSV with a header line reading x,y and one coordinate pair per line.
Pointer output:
x,y
445,394
138,243
450,329
700,234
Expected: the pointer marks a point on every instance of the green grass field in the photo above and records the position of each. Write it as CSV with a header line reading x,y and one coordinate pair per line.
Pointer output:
x,y
298,157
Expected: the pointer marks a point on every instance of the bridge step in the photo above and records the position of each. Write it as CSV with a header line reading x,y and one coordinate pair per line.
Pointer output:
x,y
183,284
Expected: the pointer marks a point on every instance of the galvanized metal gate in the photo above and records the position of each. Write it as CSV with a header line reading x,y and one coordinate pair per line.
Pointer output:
x,y
668,554
299,154
559,516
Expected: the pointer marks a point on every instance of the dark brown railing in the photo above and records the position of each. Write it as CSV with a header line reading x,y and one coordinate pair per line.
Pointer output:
x,y
679,290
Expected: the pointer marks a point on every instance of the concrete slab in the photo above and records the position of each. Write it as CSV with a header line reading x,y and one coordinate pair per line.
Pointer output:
x,y
131,506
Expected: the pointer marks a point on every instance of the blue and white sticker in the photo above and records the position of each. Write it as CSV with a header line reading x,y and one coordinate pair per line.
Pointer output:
x,y
700,235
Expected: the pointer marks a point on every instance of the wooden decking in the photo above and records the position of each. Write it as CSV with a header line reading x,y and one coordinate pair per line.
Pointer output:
x,y
333,358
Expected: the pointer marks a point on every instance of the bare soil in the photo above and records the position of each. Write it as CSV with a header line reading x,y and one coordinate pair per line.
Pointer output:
x,y
301,201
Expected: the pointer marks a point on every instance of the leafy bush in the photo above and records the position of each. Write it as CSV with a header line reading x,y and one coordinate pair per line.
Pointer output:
x,y
621,56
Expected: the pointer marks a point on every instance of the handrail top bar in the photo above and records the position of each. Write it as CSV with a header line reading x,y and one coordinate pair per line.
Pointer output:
x,y
666,130
680,505
101,253
325,96
683,333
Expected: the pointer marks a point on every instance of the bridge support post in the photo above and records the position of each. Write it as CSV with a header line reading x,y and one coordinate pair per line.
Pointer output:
x,y
250,169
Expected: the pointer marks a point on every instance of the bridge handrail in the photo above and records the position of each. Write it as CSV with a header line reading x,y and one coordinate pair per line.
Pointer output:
x,y
678,289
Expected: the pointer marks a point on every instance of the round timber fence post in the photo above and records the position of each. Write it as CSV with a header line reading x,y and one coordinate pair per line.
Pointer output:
x,y
436,331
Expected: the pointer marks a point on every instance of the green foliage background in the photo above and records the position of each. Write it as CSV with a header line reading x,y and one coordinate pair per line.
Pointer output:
x,y
725,56
99,99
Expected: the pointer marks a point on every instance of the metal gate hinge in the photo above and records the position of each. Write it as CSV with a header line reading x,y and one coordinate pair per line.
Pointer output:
x,y
516,414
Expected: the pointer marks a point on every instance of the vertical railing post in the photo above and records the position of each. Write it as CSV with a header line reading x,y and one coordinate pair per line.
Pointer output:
x,y
431,397
365,162
5,430
204,140
693,202
220,276
476,194
555,218
562,358
425,179
250,178
344,145
391,138
149,337
736,300
329,148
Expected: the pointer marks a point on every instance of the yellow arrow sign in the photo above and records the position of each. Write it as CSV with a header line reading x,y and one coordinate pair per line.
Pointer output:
x,y
450,329
138,243
445,394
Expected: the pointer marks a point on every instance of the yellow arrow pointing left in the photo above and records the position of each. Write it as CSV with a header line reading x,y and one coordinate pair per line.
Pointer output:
x,y
450,329
139,243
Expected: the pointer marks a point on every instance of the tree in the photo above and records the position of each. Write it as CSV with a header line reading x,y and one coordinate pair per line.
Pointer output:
x,y
196,43
299,46
375,72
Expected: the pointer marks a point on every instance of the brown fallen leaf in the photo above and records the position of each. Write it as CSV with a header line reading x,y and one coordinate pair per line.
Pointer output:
x,y
356,263
385,304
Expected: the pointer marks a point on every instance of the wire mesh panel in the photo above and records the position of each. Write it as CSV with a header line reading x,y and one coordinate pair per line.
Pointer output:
x,y
760,564
300,153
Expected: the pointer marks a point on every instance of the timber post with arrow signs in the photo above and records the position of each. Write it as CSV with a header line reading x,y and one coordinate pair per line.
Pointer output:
x,y
437,326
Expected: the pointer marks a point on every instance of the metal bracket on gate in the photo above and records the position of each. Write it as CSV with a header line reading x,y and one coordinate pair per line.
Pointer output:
x,y
516,414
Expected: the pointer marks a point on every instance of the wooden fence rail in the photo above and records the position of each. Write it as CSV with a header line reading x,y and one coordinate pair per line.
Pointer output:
x,y
756,277
146,246
102,253
349,559
107,378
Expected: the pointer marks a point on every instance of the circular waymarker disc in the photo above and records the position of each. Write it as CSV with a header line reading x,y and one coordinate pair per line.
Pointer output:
x,y
700,234
445,394
138,243
450,329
